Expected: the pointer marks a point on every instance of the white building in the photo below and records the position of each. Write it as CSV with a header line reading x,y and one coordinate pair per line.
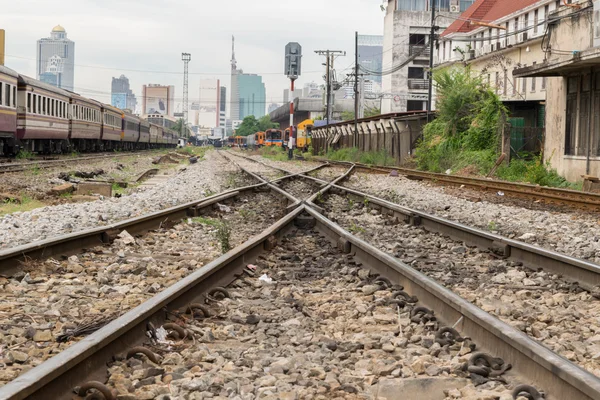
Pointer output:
x,y
208,114
55,59
407,27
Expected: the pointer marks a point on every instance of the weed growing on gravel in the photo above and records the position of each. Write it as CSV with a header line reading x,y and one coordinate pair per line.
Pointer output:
x,y
381,157
492,226
247,215
231,181
355,228
24,154
26,203
34,170
223,234
117,189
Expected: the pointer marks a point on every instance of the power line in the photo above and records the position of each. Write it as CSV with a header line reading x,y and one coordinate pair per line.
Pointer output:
x,y
159,72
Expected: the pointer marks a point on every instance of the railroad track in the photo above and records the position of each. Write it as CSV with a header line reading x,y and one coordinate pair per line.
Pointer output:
x,y
572,198
321,271
24,166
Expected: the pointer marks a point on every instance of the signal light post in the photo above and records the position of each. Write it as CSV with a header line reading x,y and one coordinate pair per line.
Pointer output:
x,y
293,67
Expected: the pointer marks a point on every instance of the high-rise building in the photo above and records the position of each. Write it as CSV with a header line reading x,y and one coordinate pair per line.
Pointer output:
x,y
158,99
370,55
252,94
55,59
121,95
223,108
210,103
248,93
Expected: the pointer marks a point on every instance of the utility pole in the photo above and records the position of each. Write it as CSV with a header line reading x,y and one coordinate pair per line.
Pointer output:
x,y
330,54
431,40
356,89
186,57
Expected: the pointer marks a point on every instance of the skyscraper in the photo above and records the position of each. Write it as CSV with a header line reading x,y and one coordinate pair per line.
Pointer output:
x,y
223,107
121,94
158,99
56,59
252,94
370,54
248,93
210,103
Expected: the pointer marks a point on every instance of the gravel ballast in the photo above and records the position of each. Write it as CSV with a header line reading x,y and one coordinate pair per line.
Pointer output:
x,y
194,183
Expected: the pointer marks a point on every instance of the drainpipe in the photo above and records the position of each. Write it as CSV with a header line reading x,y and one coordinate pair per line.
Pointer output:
x,y
590,130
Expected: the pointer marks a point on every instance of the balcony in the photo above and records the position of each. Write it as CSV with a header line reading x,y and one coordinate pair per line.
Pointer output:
x,y
419,50
418,84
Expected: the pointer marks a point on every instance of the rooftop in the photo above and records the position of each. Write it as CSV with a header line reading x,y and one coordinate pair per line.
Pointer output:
x,y
485,11
58,28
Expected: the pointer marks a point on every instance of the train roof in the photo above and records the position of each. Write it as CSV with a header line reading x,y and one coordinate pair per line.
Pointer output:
x,y
7,71
35,83
112,108
77,96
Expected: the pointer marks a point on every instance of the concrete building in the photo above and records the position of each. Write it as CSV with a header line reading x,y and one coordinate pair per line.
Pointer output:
x,y
571,67
297,93
248,93
370,55
158,99
312,90
121,94
252,96
223,108
405,59
514,40
272,107
209,113
55,59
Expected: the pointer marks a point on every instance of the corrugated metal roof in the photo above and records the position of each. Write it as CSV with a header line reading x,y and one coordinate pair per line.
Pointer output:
x,y
486,11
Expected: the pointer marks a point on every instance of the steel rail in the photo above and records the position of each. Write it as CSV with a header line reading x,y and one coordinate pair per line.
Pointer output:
x,y
86,360
578,199
23,166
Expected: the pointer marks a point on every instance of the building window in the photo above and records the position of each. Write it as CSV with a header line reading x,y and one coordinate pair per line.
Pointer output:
x,y
414,105
416,73
535,21
464,4
571,128
412,5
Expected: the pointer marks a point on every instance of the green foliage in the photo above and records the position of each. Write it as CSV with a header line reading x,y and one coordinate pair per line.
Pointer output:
x,y
465,133
369,112
250,125
535,172
24,155
352,154
356,228
117,189
347,115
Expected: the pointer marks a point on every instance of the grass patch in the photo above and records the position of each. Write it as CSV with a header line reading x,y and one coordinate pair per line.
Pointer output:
x,y
117,189
273,153
352,154
198,151
26,204
535,172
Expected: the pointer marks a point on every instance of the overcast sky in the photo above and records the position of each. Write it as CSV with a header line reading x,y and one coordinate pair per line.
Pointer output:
x,y
114,36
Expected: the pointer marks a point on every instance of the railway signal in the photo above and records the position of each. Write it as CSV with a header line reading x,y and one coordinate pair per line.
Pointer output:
x,y
293,69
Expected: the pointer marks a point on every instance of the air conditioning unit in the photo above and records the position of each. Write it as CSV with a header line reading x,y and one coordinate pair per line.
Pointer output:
x,y
487,49
479,52
523,37
454,8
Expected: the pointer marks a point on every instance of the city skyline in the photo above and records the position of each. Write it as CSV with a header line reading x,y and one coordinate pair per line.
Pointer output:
x,y
102,54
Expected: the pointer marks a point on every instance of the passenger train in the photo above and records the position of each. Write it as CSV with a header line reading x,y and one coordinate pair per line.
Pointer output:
x,y
41,118
276,137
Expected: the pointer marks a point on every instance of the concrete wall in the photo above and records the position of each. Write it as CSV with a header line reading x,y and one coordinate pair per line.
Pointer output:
x,y
569,35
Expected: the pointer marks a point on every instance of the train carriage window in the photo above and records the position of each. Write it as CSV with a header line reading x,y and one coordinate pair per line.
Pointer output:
x,y
1,93
44,106
52,107
39,101
7,95
64,108
34,103
15,96
28,102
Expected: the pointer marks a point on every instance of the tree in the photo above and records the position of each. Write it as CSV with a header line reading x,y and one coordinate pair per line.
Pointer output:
x,y
177,127
372,112
265,123
250,125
